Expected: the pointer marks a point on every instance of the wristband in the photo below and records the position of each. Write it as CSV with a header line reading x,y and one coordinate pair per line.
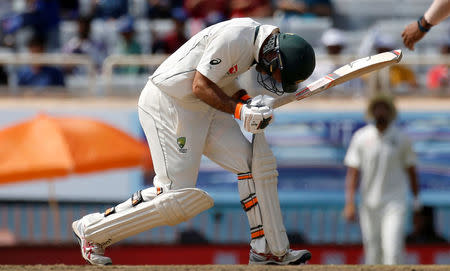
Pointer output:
x,y
421,27
237,111
244,98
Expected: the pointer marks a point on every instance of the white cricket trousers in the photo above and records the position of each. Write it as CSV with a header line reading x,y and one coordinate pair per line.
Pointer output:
x,y
383,232
179,132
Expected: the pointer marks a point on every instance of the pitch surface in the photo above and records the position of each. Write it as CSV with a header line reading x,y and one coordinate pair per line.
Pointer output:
x,y
224,268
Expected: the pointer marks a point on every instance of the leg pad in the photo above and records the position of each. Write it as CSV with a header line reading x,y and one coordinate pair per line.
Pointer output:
x,y
169,208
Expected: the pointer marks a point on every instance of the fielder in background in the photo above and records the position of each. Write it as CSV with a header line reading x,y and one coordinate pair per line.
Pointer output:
x,y
188,109
383,158
415,31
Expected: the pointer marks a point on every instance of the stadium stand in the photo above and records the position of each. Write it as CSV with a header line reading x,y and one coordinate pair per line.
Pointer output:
x,y
360,20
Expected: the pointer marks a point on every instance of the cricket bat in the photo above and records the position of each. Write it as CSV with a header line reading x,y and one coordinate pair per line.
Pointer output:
x,y
343,74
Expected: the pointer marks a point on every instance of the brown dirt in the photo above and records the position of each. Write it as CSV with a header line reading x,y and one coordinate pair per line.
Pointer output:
x,y
225,268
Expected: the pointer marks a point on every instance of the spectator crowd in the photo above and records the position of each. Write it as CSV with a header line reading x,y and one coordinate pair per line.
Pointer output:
x,y
43,19
120,23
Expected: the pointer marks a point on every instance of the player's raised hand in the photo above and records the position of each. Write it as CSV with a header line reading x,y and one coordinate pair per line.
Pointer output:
x,y
256,115
414,32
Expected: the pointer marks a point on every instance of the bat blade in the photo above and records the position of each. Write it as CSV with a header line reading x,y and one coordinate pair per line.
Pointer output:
x,y
343,74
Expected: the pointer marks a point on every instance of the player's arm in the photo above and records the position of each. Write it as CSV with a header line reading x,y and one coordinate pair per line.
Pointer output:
x,y
414,183
241,96
353,161
438,11
207,91
415,31
410,160
218,56
351,185
256,117
412,174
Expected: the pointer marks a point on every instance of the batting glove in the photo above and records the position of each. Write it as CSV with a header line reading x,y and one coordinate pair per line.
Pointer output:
x,y
256,115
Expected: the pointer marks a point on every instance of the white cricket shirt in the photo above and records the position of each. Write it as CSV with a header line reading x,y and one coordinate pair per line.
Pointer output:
x,y
220,52
382,160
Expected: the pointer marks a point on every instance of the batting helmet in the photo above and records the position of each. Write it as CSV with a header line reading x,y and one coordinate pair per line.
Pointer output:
x,y
293,55
298,60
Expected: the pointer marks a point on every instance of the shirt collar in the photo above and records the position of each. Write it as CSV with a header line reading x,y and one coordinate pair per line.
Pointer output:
x,y
264,31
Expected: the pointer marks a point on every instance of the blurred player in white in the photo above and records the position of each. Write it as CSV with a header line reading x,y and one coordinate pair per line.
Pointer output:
x,y
188,109
383,158
415,31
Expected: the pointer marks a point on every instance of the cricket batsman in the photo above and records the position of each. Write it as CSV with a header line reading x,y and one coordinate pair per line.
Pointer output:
x,y
188,109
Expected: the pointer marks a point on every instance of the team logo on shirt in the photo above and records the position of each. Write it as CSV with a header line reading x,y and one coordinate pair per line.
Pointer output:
x,y
181,141
215,61
232,70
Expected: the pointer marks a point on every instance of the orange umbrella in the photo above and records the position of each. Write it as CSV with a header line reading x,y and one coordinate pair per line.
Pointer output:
x,y
49,147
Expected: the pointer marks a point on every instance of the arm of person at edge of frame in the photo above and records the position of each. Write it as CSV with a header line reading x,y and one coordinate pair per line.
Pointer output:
x,y
437,12
351,185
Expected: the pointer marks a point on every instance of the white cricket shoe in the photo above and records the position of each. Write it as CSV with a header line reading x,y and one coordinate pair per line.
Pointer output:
x,y
91,252
292,257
